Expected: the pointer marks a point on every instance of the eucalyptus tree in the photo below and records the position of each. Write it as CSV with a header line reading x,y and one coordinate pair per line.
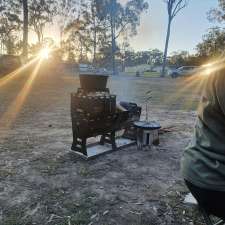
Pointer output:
x,y
173,8
86,30
213,43
218,14
155,57
41,13
10,25
25,28
179,58
98,24
78,33
97,28
67,11
120,19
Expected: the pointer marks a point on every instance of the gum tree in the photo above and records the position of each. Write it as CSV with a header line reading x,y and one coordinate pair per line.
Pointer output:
x,y
119,19
41,12
10,24
218,14
173,8
25,29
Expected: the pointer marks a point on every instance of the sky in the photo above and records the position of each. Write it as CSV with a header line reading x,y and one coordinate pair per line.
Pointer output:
x,y
187,28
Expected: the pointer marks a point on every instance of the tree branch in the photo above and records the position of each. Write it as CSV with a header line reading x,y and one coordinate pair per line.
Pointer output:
x,y
121,30
179,6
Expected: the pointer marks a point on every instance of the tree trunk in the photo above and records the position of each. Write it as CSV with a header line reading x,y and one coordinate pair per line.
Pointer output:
x,y
61,36
95,43
2,47
166,48
39,38
25,29
113,53
113,36
81,51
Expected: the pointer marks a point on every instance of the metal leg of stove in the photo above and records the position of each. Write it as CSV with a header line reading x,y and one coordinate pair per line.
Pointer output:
x,y
113,140
84,146
107,138
74,144
79,145
102,140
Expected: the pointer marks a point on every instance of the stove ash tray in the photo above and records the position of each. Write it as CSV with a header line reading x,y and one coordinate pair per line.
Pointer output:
x,y
96,149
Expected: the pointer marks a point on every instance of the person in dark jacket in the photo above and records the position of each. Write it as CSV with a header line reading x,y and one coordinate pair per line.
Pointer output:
x,y
203,162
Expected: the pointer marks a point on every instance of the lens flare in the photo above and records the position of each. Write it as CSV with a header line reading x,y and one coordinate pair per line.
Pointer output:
x,y
9,117
11,76
44,53
194,84
208,69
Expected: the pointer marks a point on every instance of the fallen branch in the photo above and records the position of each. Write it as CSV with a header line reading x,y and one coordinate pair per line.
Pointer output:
x,y
168,129
136,213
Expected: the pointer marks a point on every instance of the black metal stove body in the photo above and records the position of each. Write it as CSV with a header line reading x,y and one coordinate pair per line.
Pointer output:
x,y
94,112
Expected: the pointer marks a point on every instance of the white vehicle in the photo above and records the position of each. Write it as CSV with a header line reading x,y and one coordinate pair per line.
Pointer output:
x,y
184,71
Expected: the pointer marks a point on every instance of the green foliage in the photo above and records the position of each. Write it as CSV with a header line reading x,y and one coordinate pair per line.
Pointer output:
x,y
218,14
178,58
10,23
156,57
153,57
97,25
213,43
89,28
41,12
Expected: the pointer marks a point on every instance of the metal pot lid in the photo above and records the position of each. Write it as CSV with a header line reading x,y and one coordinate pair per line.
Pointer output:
x,y
147,125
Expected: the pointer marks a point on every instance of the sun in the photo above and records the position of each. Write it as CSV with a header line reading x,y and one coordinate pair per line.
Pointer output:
x,y
44,53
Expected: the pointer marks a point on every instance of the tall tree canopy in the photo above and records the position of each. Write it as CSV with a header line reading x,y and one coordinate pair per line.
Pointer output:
x,y
89,29
218,14
213,44
120,19
10,24
41,12
99,24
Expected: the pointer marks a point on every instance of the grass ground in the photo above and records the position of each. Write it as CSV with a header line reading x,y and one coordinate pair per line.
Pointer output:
x,y
42,182
151,74
145,74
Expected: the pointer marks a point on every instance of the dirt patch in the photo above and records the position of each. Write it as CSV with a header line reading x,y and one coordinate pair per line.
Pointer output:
x,y
43,183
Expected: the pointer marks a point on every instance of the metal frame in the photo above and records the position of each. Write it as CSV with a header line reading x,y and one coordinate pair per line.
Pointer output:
x,y
102,149
80,144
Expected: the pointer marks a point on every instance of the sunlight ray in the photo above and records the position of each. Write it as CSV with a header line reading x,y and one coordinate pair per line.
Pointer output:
x,y
13,74
188,84
10,115
190,102
194,83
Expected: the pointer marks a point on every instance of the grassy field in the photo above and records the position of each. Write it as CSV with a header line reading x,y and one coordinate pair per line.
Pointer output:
x,y
145,74
151,74
42,182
